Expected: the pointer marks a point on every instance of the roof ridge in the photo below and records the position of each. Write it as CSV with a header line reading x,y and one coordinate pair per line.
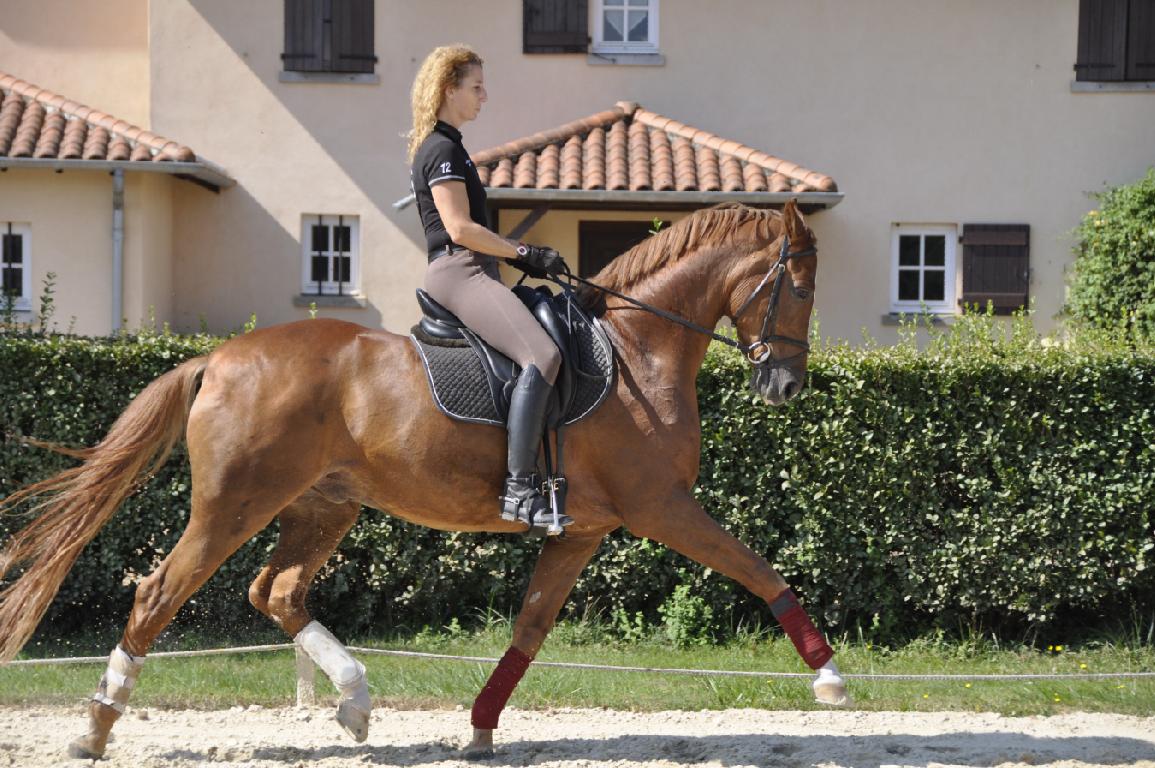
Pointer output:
x,y
160,148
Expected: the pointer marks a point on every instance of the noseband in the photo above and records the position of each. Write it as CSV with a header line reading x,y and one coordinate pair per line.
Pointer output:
x,y
759,353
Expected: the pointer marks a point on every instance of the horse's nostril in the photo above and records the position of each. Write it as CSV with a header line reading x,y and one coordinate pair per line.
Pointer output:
x,y
790,390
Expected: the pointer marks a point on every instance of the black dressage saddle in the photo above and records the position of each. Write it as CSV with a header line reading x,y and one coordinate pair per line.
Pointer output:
x,y
472,381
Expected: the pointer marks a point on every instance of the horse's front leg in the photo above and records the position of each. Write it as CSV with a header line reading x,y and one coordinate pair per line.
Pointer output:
x,y
561,561
680,523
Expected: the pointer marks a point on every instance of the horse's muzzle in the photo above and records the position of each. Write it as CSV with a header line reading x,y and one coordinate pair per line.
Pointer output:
x,y
778,384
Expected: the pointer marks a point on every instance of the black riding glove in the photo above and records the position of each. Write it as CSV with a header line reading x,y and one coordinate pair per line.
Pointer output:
x,y
546,261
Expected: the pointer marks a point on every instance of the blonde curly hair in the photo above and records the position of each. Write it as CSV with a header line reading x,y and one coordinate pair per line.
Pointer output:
x,y
445,66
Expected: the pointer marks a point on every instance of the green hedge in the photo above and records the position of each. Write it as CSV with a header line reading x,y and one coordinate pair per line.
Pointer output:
x,y
1113,279
984,483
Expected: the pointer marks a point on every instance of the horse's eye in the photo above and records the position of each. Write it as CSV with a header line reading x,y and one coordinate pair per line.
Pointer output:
x,y
802,293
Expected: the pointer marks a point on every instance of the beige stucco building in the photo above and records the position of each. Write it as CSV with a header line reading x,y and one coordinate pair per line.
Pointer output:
x,y
930,117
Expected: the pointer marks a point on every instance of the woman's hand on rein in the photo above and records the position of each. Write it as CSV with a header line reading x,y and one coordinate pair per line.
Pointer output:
x,y
547,261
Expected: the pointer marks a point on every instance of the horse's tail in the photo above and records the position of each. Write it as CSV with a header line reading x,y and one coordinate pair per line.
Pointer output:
x,y
82,499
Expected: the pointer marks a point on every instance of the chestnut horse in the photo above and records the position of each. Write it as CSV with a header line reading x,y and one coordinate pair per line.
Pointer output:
x,y
306,422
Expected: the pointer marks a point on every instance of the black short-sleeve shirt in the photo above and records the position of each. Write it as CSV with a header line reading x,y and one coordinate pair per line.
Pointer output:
x,y
441,158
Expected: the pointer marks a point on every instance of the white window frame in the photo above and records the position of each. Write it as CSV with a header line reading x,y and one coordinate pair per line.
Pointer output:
x,y
601,46
24,229
309,286
949,303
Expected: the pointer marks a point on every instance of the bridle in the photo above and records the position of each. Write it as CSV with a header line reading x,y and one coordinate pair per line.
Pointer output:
x,y
759,353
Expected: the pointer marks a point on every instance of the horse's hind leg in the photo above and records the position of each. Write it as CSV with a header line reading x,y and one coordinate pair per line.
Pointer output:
x,y
311,528
681,524
217,527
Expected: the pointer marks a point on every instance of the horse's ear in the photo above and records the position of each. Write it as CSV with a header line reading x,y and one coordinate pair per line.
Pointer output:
x,y
792,221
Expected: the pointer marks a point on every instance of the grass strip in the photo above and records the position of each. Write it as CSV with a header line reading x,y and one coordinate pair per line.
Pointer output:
x,y
268,679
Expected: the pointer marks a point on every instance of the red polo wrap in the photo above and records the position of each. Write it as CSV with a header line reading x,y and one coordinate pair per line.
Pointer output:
x,y
807,638
491,701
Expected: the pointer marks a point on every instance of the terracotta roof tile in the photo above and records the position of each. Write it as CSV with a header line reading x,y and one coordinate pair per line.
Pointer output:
x,y
525,172
96,145
661,161
502,174
594,160
48,145
624,148
119,149
571,164
730,170
617,167
709,178
754,178
640,169
29,130
685,166
549,167
37,123
74,135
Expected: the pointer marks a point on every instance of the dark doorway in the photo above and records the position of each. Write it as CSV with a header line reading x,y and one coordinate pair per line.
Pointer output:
x,y
599,242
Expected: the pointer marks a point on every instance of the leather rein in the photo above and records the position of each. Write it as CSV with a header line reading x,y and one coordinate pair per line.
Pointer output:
x,y
759,353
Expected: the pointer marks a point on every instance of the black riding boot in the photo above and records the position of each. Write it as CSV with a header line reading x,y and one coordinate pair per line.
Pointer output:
x,y
523,500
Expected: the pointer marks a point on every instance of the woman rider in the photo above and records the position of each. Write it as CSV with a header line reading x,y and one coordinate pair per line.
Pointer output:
x,y
463,276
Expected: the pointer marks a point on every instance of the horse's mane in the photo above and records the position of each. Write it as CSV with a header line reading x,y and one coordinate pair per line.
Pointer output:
x,y
703,228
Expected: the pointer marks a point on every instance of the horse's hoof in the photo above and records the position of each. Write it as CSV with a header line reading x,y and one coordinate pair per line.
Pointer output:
x,y
831,690
481,748
81,750
354,720
477,753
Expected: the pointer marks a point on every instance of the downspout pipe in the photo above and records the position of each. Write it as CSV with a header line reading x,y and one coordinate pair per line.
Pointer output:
x,y
117,248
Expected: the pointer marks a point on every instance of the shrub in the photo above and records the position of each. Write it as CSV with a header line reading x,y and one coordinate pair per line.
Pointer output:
x,y
687,618
1113,282
990,482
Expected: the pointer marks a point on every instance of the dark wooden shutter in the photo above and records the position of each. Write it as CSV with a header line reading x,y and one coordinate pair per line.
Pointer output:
x,y
555,26
996,266
1102,40
304,36
1141,40
329,36
352,28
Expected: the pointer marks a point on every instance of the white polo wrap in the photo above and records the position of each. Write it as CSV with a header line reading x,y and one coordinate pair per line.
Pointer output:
x,y
119,679
334,659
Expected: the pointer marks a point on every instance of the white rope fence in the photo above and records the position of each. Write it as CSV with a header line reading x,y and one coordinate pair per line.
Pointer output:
x,y
306,672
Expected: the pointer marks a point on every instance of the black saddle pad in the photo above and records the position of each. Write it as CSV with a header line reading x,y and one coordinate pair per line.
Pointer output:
x,y
462,388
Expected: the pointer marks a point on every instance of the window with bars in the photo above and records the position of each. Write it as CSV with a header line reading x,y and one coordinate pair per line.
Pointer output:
x,y
15,266
625,26
1116,41
329,36
923,269
331,247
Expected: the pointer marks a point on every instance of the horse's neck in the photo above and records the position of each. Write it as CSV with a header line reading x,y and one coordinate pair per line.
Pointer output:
x,y
659,350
